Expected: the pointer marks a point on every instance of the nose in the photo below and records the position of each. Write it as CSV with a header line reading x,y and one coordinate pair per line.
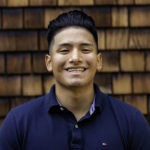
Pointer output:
x,y
75,56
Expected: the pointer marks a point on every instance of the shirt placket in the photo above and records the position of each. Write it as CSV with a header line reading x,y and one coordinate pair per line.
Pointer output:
x,y
76,141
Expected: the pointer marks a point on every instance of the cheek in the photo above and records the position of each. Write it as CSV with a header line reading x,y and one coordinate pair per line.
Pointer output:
x,y
58,63
91,60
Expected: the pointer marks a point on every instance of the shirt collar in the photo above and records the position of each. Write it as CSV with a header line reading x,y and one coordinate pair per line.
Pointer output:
x,y
52,103
92,108
99,98
51,100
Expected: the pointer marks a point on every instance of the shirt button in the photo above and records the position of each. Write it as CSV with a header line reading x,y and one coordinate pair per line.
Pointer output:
x,y
76,126
104,144
61,108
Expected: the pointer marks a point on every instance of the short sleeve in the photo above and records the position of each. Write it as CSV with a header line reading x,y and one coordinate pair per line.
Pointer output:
x,y
9,139
140,139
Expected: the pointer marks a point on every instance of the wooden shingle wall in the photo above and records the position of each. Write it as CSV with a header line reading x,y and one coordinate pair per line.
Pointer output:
x,y
124,40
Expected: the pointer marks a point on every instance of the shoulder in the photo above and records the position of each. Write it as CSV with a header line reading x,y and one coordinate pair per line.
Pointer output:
x,y
112,103
126,115
118,105
30,108
38,104
123,112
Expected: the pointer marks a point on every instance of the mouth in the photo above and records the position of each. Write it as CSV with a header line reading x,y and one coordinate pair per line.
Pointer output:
x,y
76,69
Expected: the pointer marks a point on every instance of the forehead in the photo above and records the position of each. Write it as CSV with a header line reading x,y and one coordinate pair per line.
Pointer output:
x,y
74,35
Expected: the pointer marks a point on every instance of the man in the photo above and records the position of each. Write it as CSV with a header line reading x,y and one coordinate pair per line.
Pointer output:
x,y
74,115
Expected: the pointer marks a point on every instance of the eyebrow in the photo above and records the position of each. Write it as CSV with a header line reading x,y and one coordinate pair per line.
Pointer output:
x,y
82,44
87,44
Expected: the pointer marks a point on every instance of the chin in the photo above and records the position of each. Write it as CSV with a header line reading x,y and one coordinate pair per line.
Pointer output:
x,y
74,83
77,84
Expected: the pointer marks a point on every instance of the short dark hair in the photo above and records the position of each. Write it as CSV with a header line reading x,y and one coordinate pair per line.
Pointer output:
x,y
71,18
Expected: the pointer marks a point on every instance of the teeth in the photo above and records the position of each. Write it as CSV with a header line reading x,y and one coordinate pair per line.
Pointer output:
x,y
75,69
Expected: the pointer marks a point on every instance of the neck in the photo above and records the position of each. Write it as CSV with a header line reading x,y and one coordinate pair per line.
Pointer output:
x,y
77,100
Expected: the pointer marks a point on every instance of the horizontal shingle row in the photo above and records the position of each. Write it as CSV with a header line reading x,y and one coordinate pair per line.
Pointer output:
x,y
34,85
115,61
38,18
109,39
20,3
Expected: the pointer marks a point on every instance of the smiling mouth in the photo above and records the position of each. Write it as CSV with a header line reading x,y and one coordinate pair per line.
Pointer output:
x,y
76,69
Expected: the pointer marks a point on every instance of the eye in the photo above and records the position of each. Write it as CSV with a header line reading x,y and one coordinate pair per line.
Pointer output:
x,y
64,51
86,50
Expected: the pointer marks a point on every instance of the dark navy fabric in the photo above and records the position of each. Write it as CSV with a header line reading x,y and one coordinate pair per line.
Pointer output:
x,y
43,124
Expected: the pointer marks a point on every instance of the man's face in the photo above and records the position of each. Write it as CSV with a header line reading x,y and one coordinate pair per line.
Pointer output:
x,y
73,58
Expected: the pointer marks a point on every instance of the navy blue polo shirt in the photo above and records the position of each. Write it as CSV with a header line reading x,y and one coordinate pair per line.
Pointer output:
x,y
43,124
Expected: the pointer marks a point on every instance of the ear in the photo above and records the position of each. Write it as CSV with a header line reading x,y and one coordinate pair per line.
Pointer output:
x,y
48,62
99,62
